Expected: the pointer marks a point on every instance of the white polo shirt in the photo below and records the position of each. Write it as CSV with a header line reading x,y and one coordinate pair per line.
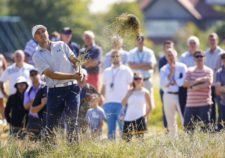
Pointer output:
x,y
121,77
146,56
13,72
57,59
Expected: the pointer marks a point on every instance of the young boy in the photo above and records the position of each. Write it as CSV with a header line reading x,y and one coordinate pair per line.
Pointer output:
x,y
95,116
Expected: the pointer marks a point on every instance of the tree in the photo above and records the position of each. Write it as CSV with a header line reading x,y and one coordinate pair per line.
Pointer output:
x,y
3,7
53,14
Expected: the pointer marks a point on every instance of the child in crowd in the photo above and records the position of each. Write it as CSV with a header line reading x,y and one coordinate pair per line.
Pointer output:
x,y
95,116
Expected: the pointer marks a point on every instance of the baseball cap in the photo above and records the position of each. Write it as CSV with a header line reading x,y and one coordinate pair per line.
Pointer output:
x,y
36,27
33,71
66,31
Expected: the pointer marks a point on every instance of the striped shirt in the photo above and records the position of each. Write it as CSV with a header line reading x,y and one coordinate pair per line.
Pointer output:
x,y
200,97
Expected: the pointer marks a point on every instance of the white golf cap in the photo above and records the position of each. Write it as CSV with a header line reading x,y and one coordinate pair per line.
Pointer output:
x,y
20,79
36,27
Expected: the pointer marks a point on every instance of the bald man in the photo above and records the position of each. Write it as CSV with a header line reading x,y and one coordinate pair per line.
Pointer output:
x,y
18,68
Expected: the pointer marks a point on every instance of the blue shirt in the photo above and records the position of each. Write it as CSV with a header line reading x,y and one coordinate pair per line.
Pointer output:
x,y
212,60
29,50
94,53
94,117
188,59
74,47
220,78
162,62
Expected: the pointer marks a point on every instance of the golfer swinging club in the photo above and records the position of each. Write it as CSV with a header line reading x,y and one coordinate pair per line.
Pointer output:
x,y
57,62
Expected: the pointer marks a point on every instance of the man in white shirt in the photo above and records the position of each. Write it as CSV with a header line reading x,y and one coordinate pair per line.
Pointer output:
x,y
17,69
58,63
142,60
116,82
172,76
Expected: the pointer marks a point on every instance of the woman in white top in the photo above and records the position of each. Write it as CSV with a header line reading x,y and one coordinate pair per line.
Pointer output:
x,y
138,104
3,66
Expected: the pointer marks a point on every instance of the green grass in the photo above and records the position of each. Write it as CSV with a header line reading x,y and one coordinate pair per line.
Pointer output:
x,y
156,144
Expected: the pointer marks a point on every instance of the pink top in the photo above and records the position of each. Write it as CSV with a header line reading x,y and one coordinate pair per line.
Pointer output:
x,y
201,97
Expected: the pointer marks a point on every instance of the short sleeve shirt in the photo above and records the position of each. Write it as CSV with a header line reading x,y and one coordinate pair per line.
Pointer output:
x,y
94,117
200,97
29,49
75,48
146,56
94,53
212,60
57,59
13,72
121,78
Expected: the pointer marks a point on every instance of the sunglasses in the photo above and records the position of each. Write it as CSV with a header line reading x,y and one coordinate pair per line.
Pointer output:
x,y
137,78
199,56
115,56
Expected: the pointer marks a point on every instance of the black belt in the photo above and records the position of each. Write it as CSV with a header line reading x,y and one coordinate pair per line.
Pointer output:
x,y
175,93
145,79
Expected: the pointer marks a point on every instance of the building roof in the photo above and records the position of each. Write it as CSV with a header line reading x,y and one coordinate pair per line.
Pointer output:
x,y
199,9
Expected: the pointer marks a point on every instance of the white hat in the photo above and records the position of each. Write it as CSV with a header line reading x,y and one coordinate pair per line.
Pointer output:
x,y
36,27
20,79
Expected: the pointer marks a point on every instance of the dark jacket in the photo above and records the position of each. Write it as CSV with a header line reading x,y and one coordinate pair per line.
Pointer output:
x,y
15,113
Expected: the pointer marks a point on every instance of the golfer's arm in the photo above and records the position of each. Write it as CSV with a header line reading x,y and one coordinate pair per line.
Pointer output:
x,y
58,75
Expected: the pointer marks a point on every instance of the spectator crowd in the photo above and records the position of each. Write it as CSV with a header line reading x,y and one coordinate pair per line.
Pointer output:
x,y
117,89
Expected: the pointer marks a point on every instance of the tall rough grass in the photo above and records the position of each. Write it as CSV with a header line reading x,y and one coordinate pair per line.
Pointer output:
x,y
154,145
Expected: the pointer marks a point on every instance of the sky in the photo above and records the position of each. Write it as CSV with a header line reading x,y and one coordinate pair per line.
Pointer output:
x,y
103,5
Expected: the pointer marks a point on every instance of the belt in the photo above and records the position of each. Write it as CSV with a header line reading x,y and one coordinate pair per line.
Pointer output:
x,y
145,79
64,84
175,93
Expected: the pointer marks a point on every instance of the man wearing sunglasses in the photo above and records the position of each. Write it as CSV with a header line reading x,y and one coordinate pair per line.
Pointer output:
x,y
198,81
30,94
171,78
116,82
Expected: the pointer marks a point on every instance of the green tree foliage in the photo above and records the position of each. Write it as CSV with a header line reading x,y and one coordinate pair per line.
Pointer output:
x,y
54,14
191,30
3,7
